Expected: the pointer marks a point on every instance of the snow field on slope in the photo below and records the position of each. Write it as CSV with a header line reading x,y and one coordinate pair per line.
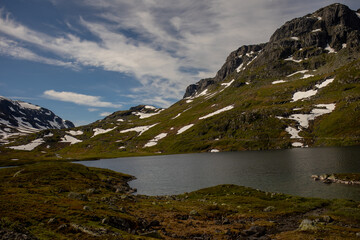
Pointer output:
x,y
30,146
98,131
70,139
140,129
155,140
217,112
303,95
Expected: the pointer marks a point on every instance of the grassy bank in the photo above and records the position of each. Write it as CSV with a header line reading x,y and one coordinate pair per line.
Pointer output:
x,y
69,201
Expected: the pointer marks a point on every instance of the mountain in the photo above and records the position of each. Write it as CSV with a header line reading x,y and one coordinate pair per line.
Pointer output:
x,y
300,89
21,118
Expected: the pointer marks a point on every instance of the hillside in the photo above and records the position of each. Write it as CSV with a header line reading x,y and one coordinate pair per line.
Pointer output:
x,y
300,89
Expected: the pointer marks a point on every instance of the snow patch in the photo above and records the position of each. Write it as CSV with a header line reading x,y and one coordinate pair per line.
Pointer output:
x,y
146,115
297,144
302,95
150,107
293,132
75,133
28,106
185,128
70,139
228,84
240,68
189,101
358,14
325,83
302,72
120,120
30,146
218,112
98,131
344,45
140,129
214,151
295,38
49,135
316,30
278,81
291,58
319,18
155,140
178,115
321,109
330,49
307,76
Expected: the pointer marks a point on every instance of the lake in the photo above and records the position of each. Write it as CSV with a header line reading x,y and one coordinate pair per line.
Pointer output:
x,y
285,171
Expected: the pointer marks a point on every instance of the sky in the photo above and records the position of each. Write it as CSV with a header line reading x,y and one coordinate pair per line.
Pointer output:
x,y
85,59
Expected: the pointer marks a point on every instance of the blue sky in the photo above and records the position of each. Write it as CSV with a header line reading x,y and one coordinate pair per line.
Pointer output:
x,y
84,59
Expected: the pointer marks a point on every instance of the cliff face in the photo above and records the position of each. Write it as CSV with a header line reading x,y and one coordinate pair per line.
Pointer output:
x,y
329,29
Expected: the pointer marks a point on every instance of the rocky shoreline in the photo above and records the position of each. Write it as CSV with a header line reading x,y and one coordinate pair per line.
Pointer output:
x,y
332,178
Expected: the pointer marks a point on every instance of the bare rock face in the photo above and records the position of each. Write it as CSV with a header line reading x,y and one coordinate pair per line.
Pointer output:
x,y
333,27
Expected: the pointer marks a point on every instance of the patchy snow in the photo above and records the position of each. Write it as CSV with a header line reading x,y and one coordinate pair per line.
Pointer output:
x,y
75,133
214,151
70,139
228,84
12,109
247,83
122,147
302,72
178,115
297,109
251,61
30,146
28,105
49,135
358,14
325,83
218,112
150,107
344,45
291,58
120,120
330,49
307,76
303,95
203,93
319,18
297,144
316,30
295,38
140,129
293,132
155,140
146,115
321,109
278,81
185,128
240,68
189,101
98,131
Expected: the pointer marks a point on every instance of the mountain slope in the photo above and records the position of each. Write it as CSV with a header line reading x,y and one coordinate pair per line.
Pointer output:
x,y
21,118
302,88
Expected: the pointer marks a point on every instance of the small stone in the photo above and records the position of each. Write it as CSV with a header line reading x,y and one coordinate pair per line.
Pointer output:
x,y
78,196
358,234
269,209
327,219
86,208
52,220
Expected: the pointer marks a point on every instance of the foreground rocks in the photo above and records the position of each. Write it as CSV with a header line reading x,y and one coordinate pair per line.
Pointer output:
x,y
326,178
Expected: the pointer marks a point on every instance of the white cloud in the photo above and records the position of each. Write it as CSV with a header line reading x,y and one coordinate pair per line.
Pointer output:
x,y
93,109
165,37
80,99
105,114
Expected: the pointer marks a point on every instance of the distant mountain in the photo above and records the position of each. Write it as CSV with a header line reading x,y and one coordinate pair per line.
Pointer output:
x,y
300,89
19,118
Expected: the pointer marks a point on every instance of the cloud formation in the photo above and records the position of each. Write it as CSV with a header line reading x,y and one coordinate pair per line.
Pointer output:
x,y
165,45
80,99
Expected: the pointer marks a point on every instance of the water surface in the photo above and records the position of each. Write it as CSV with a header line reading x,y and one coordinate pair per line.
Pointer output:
x,y
286,171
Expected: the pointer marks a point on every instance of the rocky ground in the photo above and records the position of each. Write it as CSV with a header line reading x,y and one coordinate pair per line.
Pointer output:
x,y
70,201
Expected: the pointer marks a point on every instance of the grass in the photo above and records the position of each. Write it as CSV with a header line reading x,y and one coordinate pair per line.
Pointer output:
x,y
35,200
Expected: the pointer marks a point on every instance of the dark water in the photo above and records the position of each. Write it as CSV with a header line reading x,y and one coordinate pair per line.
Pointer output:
x,y
286,171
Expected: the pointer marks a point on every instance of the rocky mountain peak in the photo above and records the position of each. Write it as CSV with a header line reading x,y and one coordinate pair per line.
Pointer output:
x,y
330,29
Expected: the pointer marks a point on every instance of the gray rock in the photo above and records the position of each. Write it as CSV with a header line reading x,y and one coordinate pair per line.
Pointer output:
x,y
307,225
269,209
194,213
86,208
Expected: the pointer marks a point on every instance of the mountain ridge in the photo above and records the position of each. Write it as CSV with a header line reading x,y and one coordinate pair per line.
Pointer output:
x,y
21,118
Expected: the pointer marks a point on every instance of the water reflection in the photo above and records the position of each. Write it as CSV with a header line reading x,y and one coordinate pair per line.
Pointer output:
x,y
286,171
